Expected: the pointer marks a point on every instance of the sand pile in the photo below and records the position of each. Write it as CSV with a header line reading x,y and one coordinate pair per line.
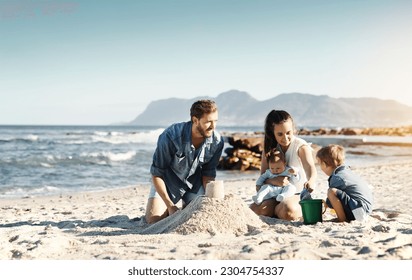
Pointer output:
x,y
209,215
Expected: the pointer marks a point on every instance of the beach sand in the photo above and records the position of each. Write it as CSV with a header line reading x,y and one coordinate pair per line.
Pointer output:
x,y
110,225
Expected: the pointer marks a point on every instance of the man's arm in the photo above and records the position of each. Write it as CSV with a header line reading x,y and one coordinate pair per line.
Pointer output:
x,y
209,168
206,180
162,158
160,187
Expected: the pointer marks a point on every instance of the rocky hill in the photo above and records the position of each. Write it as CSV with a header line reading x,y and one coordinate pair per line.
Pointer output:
x,y
238,108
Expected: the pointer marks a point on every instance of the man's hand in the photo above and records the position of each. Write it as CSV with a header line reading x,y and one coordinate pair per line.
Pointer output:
x,y
172,209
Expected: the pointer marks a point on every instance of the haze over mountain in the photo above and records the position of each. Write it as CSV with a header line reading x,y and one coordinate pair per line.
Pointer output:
x,y
239,108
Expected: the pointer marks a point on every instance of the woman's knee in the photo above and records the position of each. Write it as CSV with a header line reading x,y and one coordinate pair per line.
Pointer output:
x,y
289,210
267,208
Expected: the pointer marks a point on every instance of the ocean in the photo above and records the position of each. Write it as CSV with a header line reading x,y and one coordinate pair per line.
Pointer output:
x,y
46,160
49,160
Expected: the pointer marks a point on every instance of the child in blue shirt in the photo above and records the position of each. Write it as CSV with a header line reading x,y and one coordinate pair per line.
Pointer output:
x,y
348,194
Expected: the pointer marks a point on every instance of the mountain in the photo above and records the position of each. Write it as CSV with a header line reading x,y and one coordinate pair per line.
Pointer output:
x,y
239,108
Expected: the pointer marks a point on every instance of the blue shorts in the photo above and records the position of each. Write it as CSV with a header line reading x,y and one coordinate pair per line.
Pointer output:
x,y
347,202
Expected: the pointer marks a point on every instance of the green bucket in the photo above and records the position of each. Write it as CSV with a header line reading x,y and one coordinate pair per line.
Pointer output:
x,y
312,210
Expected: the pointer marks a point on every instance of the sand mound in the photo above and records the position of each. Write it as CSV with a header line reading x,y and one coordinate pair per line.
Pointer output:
x,y
208,215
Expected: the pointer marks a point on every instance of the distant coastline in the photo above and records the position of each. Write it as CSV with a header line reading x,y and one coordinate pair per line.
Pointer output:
x,y
239,108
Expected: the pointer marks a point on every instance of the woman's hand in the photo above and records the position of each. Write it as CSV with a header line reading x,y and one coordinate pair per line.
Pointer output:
x,y
308,185
280,181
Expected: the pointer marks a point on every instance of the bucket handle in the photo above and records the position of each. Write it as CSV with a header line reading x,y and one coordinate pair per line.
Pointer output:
x,y
325,206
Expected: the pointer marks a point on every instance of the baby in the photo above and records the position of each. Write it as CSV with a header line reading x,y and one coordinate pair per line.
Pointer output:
x,y
277,167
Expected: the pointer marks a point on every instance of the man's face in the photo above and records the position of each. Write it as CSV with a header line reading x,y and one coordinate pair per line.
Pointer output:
x,y
206,124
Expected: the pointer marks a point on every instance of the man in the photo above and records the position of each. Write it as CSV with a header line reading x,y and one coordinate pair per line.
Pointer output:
x,y
184,161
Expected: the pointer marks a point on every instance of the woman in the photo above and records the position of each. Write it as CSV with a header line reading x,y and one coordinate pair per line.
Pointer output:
x,y
279,133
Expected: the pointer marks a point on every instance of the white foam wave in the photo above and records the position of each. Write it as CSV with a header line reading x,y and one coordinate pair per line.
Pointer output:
x,y
24,192
32,137
29,138
110,156
121,156
147,137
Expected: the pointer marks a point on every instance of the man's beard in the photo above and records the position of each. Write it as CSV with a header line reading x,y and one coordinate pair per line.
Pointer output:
x,y
202,131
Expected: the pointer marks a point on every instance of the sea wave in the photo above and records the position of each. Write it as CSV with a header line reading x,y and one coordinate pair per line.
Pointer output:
x,y
111,156
21,139
9,192
84,158
146,137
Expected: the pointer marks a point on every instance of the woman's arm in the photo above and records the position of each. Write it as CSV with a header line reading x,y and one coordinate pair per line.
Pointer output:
x,y
263,163
308,163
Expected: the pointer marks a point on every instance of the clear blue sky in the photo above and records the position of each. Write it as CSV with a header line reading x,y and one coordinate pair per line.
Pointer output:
x,y
100,62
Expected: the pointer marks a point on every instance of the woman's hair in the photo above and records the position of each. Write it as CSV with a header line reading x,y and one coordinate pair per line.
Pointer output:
x,y
201,107
273,118
332,155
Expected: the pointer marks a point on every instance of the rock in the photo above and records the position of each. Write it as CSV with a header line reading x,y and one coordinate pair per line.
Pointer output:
x,y
247,148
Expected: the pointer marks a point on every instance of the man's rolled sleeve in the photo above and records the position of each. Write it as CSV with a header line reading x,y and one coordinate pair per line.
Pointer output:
x,y
162,157
209,169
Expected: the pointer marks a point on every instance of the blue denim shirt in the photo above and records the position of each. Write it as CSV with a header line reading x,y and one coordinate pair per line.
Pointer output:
x,y
178,162
353,185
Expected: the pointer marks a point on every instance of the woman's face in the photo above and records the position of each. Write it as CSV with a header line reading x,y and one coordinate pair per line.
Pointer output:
x,y
284,133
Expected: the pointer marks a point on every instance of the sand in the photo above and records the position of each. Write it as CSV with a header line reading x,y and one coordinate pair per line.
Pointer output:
x,y
109,225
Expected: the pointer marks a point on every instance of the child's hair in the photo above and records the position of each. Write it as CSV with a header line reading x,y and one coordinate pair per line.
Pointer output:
x,y
332,155
275,155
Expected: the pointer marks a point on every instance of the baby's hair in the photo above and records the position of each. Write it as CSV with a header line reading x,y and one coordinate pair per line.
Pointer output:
x,y
275,155
333,155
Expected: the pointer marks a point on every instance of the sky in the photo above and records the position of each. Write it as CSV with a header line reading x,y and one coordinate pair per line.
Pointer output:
x,y
98,62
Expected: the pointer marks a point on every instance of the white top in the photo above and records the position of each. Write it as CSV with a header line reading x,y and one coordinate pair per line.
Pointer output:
x,y
293,159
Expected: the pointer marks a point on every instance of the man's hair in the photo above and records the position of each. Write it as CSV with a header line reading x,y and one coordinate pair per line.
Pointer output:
x,y
333,155
275,155
201,107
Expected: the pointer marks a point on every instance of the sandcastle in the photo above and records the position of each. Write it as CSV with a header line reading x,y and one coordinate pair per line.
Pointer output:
x,y
215,189
213,213
214,216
